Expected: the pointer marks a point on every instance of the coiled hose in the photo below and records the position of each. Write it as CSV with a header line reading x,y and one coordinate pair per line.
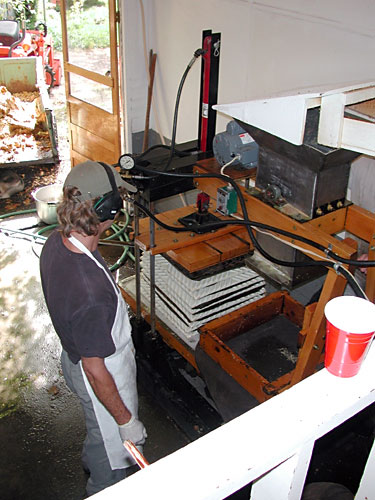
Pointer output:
x,y
119,233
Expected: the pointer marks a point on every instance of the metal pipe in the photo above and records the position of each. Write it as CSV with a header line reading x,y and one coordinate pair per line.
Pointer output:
x,y
6,230
152,278
137,256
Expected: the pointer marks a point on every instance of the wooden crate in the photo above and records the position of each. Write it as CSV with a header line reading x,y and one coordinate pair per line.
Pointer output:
x,y
258,344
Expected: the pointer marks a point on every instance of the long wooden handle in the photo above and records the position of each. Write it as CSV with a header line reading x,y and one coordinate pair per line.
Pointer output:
x,y
152,64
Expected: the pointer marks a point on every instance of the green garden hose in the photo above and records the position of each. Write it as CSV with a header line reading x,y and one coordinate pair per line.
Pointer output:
x,y
20,212
119,232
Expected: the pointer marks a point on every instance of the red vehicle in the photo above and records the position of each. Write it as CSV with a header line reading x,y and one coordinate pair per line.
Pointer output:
x,y
16,42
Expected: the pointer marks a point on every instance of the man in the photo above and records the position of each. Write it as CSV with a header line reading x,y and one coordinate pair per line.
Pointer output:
x,y
91,320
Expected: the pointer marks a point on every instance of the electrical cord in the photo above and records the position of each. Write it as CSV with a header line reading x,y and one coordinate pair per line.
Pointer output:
x,y
237,157
336,263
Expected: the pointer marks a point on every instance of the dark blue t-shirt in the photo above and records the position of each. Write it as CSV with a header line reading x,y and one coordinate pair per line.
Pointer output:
x,y
80,299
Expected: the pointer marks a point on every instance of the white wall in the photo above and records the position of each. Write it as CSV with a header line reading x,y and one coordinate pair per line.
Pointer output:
x,y
301,44
268,46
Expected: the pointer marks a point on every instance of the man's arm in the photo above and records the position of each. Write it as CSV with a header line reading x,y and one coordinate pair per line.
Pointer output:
x,y
105,389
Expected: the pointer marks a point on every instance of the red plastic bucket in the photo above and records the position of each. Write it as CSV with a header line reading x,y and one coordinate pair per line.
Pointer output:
x,y
349,332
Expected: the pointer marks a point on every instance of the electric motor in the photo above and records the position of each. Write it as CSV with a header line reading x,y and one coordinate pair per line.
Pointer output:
x,y
235,141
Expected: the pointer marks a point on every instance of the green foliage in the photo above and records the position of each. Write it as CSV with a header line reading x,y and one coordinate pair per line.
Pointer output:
x,y
87,29
20,9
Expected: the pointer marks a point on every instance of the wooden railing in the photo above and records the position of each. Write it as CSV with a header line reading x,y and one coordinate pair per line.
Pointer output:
x,y
271,446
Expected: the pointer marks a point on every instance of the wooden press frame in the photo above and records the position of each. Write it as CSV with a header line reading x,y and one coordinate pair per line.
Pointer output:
x,y
353,219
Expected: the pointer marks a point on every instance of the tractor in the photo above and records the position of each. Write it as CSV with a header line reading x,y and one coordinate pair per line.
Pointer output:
x,y
16,41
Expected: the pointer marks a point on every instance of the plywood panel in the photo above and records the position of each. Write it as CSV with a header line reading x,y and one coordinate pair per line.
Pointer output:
x,y
195,257
100,123
229,246
92,146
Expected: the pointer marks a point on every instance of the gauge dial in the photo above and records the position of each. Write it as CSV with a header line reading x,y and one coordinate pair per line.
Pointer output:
x,y
127,162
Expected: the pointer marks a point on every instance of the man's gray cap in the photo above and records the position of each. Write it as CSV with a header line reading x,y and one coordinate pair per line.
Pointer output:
x,y
91,178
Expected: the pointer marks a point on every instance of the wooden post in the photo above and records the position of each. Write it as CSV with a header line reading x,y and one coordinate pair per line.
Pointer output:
x,y
311,351
152,63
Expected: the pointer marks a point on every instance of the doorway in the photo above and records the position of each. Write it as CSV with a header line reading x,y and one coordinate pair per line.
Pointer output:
x,y
92,86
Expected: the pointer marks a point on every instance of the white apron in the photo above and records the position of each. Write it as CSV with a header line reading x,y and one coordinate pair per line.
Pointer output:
x,y
121,365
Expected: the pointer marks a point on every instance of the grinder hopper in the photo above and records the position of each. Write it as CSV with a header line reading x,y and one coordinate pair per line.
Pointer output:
x,y
311,177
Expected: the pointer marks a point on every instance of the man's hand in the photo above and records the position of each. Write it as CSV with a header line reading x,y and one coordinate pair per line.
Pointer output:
x,y
133,431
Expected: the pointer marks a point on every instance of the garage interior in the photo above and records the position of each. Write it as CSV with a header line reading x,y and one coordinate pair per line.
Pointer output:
x,y
277,140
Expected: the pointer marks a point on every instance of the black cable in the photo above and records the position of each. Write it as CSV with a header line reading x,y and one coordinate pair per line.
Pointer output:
x,y
162,146
212,226
172,147
248,223
352,282
197,53
333,265
360,263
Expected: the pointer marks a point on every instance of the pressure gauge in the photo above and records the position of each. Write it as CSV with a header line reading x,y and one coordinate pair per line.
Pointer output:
x,y
127,162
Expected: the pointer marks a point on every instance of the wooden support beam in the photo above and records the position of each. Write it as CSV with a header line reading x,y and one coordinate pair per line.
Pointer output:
x,y
361,223
263,213
330,223
312,348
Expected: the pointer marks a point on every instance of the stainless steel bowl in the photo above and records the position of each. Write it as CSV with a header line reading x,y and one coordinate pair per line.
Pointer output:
x,y
46,200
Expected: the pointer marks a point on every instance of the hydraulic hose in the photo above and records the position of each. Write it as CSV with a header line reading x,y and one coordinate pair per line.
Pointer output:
x,y
172,147
162,146
250,224
197,53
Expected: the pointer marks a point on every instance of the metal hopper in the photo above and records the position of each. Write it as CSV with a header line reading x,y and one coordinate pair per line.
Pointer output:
x,y
311,177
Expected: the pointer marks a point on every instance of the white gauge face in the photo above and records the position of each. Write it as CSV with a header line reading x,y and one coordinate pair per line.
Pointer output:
x,y
126,162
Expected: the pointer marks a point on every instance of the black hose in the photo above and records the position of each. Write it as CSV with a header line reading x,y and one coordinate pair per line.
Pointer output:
x,y
333,265
172,147
352,282
248,223
161,146
212,226
197,53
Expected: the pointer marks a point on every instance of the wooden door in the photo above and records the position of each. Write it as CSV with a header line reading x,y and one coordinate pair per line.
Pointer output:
x,y
92,87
